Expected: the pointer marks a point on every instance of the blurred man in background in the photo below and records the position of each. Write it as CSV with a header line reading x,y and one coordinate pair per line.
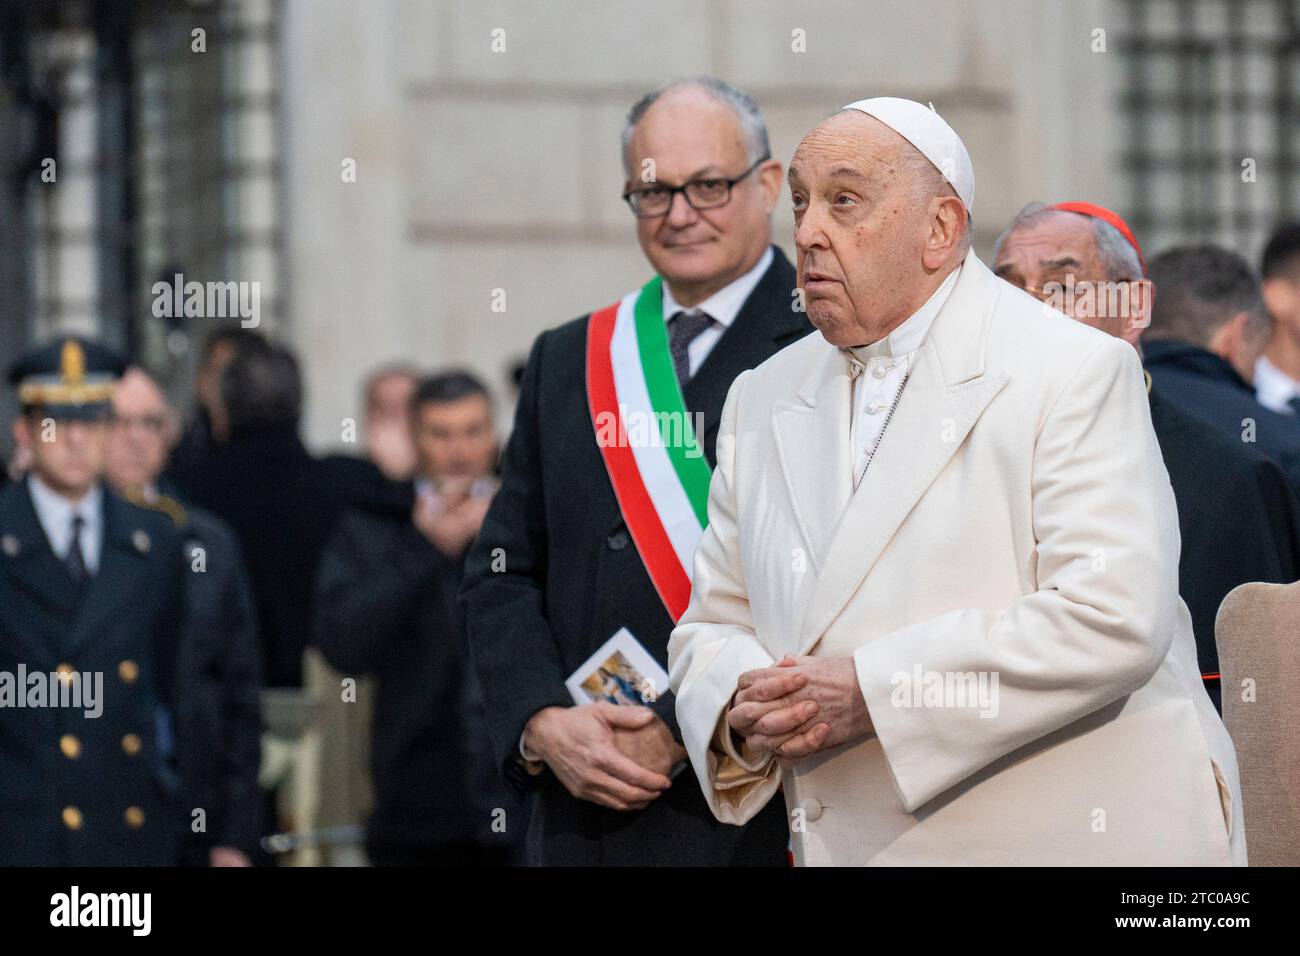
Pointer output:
x,y
1277,373
346,725
91,607
281,501
209,427
1208,329
1237,514
387,606
218,726
561,564
387,427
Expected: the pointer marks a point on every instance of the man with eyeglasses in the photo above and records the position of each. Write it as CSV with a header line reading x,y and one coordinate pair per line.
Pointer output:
x,y
218,722
593,528
1089,251
91,603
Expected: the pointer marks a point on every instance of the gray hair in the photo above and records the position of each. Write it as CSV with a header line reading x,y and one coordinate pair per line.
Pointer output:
x,y
929,181
753,129
1118,257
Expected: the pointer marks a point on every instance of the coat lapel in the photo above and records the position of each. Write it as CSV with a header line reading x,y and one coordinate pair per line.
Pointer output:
x,y
113,583
946,394
812,446
764,326
33,567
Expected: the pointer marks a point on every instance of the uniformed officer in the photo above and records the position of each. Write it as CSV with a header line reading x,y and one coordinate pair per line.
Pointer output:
x,y
91,602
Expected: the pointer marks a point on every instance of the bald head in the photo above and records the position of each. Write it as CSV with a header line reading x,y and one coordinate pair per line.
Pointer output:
x,y
142,431
877,228
692,131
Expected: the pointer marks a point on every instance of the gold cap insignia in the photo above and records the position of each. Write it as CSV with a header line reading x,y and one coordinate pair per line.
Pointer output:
x,y
72,363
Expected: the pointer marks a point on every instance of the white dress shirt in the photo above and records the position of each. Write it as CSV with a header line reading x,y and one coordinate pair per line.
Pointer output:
x,y
723,307
878,371
55,514
1274,388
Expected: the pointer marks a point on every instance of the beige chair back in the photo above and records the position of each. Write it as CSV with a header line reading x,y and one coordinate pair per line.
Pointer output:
x,y
1258,634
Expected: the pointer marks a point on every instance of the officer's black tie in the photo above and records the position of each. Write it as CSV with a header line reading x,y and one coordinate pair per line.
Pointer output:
x,y
683,329
74,559
1294,402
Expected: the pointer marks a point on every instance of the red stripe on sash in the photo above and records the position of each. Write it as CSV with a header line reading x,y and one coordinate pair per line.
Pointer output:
x,y
643,522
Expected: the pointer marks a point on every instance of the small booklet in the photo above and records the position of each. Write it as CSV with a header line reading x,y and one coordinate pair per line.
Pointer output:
x,y
621,672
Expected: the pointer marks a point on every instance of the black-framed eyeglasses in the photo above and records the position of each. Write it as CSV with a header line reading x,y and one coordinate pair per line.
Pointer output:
x,y
650,202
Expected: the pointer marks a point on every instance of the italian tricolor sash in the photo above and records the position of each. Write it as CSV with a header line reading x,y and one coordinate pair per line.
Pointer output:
x,y
645,435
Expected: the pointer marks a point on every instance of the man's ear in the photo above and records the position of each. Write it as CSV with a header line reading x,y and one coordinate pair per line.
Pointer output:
x,y
1141,300
1282,299
947,224
1231,342
771,177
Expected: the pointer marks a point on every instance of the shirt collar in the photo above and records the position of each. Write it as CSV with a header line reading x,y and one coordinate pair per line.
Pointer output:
x,y
725,304
56,511
1274,387
907,338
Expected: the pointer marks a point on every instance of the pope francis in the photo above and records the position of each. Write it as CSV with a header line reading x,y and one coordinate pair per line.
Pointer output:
x,y
936,603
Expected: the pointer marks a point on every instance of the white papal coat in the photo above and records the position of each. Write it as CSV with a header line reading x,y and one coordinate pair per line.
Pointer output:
x,y
1017,522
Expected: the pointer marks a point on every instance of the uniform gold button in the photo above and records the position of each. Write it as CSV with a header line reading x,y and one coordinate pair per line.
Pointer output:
x,y
72,818
134,817
67,673
70,746
128,671
131,744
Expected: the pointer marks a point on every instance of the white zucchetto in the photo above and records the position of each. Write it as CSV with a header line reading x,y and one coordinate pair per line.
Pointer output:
x,y
926,130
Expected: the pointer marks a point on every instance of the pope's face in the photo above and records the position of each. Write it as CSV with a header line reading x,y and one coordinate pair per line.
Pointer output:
x,y
688,135
860,228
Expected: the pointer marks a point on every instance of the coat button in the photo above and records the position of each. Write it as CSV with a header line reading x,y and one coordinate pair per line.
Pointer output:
x,y
134,817
812,810
72,818
128,671
617,541
67,673
70,746
141,541
11,545
131,745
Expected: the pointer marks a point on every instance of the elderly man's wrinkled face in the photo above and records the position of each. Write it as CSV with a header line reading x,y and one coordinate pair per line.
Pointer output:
x,y
861,228
688,135
1055,259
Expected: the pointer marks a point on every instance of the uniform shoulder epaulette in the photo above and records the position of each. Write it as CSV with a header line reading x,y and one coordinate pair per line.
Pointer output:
x,y
168,506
